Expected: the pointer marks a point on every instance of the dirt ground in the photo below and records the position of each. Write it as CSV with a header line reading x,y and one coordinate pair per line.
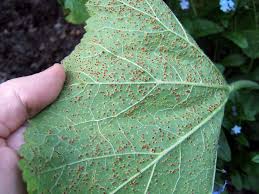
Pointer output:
x,y
33,36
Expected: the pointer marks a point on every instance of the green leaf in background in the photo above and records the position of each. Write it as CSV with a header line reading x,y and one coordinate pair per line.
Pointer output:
x,y
234,60
249,104
201,27
250,177
255,159
255,74
224,151
242,140
141,110
220,67
244,3
253,133
77,11
252,37
238,38
236,180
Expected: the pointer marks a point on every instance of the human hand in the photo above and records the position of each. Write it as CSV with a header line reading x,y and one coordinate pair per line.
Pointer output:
x,y
21,99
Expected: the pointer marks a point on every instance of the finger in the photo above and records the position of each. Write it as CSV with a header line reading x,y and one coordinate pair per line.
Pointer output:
x,y
2,142
16,140
23,97
10,176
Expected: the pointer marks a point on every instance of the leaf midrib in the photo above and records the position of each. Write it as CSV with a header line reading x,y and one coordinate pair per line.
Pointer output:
x,y
217,86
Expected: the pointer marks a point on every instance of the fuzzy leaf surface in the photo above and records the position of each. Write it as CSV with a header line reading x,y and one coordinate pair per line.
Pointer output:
x,y
140,112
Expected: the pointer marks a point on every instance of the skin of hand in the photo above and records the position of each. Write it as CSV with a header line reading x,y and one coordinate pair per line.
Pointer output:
x,y
21,99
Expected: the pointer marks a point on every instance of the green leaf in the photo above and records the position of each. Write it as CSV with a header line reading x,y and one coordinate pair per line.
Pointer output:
x,y
255,159
249,104
140,112
201,27
77,11
244,84
255,74
242,140
220,67
224,192
250,182
238,38
250,177
253,132
252,37
236,180
234,60
224,151
244,3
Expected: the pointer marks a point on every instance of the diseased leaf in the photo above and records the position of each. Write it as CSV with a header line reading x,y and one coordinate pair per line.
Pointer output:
x,y
140,112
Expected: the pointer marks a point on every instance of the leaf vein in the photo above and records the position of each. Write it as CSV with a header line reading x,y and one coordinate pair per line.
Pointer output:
x,y
166,151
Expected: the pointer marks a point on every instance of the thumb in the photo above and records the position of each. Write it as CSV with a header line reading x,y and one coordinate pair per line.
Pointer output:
x,y
23,97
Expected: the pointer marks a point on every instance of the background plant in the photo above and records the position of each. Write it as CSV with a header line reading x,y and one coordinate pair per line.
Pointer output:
x,y
228,33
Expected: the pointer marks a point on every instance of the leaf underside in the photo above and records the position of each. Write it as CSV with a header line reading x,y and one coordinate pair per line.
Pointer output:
x,y
140,112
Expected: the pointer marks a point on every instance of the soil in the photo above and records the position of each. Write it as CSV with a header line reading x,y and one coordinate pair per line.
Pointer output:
x,y
33,36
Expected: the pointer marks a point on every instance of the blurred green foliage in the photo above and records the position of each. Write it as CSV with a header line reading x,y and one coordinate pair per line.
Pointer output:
x,y
74,10
231,40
